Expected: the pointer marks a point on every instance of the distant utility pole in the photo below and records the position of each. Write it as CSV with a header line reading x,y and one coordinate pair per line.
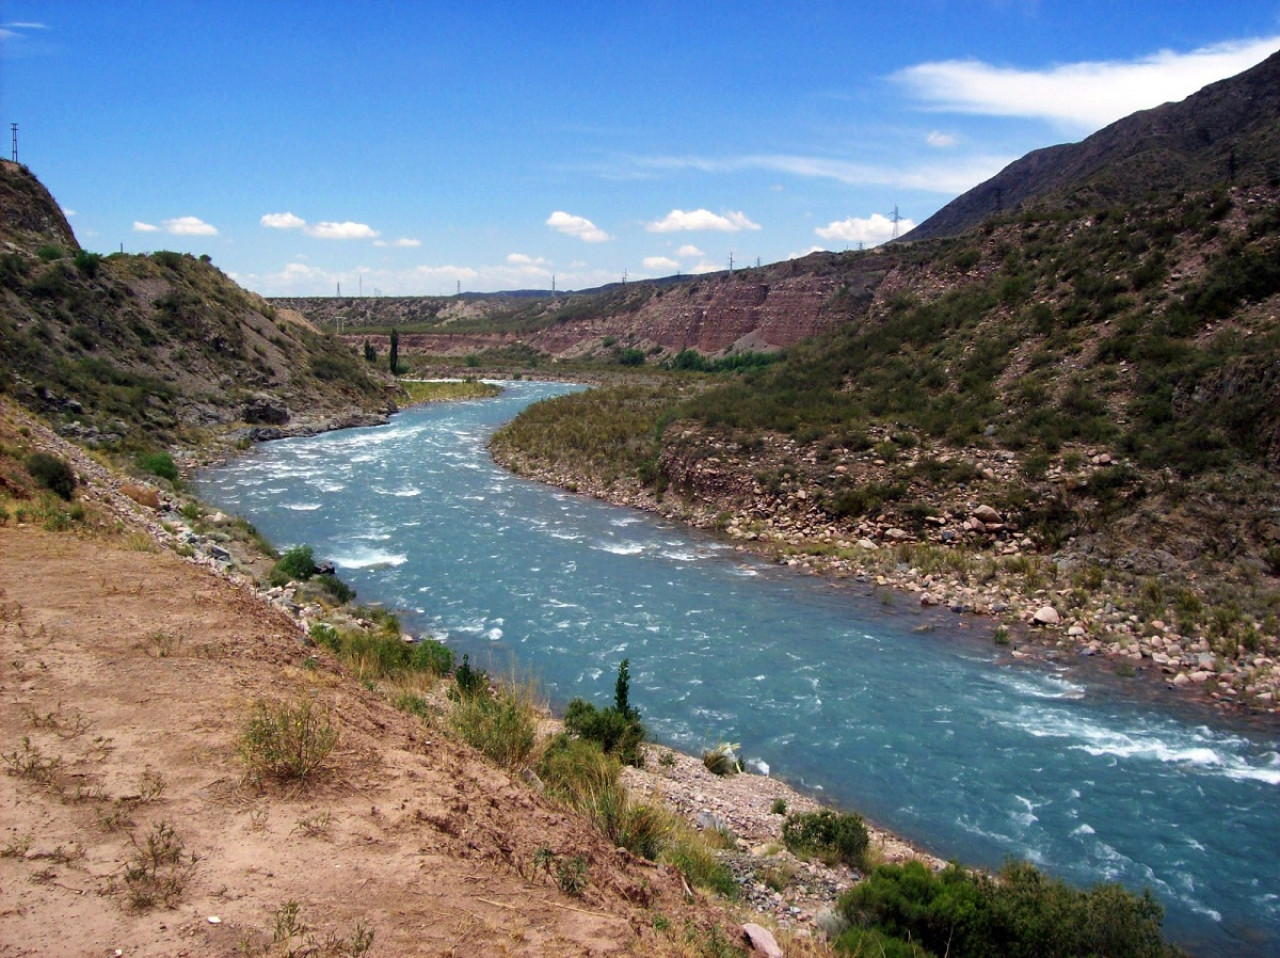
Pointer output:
x,y
624,276
757,262
459,283
896,218
14,128
553,282
339,291
730,261
360,285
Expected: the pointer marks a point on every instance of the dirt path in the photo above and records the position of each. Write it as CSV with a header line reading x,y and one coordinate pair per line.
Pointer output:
x,y
126,679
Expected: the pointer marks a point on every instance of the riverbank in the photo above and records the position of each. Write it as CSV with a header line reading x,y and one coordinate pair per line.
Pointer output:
x,y
150,601
966,556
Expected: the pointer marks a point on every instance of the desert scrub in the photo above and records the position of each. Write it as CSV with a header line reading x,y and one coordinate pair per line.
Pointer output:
x,y
722,760
286,742
383,654
159,869
52,473
500,725
829,835
159,464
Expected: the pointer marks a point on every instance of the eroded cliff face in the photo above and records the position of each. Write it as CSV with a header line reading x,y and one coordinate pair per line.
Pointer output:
x,y
756,309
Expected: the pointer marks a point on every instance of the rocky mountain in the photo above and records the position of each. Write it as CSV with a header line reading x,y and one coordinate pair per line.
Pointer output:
x,y
1229,132
144,351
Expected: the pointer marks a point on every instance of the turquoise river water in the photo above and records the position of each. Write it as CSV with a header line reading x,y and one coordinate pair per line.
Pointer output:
x,y
933,734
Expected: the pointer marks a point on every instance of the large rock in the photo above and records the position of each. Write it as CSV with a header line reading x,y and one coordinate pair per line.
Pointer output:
x,y
985,514
265,410
761,940
1046,615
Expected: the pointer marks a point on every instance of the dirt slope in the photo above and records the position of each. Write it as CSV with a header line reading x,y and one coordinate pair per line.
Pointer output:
x,y
135,670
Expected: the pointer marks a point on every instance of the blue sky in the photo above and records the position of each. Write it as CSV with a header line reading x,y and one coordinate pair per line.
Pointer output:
x,y
408,147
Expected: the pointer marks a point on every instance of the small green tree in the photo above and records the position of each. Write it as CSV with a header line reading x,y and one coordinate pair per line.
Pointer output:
x,y
370,353
52,473
393,359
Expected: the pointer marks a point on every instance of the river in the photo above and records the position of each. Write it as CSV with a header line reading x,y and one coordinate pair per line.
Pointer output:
x,y
930,732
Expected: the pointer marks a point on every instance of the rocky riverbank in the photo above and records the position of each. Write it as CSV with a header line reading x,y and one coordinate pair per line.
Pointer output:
x,y
958,551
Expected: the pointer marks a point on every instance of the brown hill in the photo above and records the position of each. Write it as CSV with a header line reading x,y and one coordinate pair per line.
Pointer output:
x,y
138,351
1229,132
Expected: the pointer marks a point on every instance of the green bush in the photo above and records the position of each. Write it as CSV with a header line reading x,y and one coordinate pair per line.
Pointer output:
x,y
469,681
159,464
617,729
298,564
52,473
1021,913
830,835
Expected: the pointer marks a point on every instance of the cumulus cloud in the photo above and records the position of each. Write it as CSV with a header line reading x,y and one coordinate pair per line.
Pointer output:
x,y
706,266
872,230
520,259
189,226
689,251
282,221
578,226
339,231
701,219
403,242
141,227
940,140
660,264
1084,96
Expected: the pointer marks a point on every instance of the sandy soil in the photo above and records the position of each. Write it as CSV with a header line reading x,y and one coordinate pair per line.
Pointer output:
x,y
126,680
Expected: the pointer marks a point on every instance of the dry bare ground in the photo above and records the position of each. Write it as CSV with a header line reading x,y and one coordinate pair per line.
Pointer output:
x,y
129,826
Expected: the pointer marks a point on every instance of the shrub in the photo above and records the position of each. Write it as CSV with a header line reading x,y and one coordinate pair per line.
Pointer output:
x,y
722,760
52,473
159,464
617,729
470,682
501,726
286,742
158,871
298,564
830,835
87,263
1020,914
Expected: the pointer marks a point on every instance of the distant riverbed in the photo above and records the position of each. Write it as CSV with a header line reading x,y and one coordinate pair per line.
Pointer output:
x,y
923,732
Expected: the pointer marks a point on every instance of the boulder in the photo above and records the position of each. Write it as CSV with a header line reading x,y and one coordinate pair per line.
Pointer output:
x,y
928,598
985,514
1046,615
761,940
265,410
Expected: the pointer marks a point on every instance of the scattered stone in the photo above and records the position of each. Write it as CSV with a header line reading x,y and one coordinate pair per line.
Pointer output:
x,y
985,514
928,598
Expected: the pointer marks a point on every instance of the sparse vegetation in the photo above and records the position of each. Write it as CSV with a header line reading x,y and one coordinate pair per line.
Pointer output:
x,y
829,835
287,742
52,473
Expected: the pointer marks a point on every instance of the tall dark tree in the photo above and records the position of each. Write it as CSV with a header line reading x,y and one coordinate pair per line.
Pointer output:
x,y
370,354
394,358
622,691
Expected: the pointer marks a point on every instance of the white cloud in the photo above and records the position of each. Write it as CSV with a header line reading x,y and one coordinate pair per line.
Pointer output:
x,y
952,177
189,226
578,226
811,249
68,213
701,219
451,273
341,231
660,264
1085,96
706,266
403,242
872,230
141,227
940,140
689,250
520,259
338,231
282,221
